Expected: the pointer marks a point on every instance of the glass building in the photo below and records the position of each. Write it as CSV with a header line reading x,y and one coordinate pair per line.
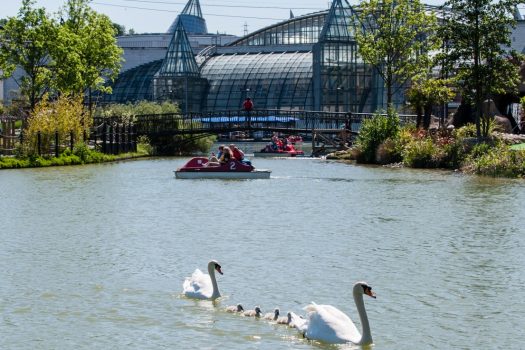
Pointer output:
x,y
308,62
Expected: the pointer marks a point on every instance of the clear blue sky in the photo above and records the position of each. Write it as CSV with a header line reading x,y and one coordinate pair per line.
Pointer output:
x,y
225,16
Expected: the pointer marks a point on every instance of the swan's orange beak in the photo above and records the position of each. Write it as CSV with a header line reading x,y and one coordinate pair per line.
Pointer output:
x,y
218,268
369,292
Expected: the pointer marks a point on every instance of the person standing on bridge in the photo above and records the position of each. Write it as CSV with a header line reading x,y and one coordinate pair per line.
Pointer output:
x,y
247,105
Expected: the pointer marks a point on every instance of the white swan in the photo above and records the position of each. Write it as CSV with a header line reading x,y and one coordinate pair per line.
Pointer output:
x,y
272,315
253,313
330,325
235,308
202,286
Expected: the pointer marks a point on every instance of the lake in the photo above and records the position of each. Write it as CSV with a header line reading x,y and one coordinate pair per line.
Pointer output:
x,y
94,257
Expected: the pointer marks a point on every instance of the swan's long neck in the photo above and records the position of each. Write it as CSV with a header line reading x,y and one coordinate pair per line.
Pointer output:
x,y
366,337
211,271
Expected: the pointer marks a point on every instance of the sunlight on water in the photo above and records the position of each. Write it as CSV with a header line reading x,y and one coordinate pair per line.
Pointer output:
x,y
95,256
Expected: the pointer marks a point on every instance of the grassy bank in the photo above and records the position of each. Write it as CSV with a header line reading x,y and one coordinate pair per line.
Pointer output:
x,y
79,155
382,141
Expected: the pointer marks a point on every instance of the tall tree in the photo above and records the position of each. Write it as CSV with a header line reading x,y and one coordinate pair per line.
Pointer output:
x,y
394,38
477,37
25,41
86,54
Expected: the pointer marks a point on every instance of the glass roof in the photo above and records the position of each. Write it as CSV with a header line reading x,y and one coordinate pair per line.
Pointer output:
x,y
281,81
191,18
299,30
135,84
339,25
179,60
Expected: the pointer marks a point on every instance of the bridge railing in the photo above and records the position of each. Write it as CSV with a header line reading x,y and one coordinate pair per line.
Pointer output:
x,y
256,120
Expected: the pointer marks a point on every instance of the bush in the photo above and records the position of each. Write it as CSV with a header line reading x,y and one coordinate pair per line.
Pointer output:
x,y
65,115
420,153
374,132
128,111
497,161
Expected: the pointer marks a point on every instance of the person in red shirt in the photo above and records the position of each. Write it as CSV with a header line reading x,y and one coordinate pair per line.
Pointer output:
x,y
247,105
237,153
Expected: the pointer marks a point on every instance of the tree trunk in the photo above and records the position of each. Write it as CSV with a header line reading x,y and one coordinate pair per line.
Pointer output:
x,y
428,114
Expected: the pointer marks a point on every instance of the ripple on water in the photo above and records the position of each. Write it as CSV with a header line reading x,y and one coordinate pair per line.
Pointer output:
x,y
95,257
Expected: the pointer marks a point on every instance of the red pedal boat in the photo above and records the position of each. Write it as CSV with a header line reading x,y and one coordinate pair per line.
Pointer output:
x,y
198,168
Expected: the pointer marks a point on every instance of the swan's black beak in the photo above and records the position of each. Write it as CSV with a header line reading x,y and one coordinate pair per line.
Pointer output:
x,y
218,268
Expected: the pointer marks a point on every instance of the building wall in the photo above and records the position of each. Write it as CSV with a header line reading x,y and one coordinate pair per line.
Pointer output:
x,y
517,37
144,48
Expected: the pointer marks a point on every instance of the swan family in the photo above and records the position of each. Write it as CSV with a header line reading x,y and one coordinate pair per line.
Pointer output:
x,y
324,323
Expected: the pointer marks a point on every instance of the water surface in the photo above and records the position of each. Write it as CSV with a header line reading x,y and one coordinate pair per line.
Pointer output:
x,y
94,257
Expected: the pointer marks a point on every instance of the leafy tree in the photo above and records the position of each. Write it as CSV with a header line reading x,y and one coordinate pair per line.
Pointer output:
x,y
26,39
477,34
425,93
119,29
394,38
86,54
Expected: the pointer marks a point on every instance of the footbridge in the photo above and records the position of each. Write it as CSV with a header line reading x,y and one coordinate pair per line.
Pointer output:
x,y
219,122
337,128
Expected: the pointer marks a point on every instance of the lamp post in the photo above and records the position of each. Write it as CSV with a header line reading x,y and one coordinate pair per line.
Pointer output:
x,y
337,90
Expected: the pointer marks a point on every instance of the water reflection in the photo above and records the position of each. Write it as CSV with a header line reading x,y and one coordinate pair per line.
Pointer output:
x,y
95,257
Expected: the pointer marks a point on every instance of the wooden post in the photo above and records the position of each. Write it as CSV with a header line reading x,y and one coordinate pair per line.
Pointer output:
x,y
111,139
39,142
104,138
2,138
117,139
57,146
71,141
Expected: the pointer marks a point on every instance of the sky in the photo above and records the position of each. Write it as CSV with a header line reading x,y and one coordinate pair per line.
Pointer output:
x,y
223,16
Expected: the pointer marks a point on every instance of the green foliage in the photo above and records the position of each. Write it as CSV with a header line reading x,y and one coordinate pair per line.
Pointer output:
x,y
65,115
395,37
26,40
67,57
129,110
420,153
497,161
81,154
466,131
480,64
375,131
85,54
144,145
426,92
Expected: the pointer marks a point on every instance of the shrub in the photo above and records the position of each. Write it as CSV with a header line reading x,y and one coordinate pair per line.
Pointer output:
x,y
82,152
420,153
388,152
65,115
497,161
375,131
144,145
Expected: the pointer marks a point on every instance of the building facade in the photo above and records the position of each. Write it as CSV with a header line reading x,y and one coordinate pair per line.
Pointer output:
x,y
310,62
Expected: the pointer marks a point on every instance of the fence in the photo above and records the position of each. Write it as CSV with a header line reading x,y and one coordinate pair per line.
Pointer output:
x,y
9,137
113,137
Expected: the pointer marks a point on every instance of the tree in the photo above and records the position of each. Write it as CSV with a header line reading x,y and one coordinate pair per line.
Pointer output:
x,y
25,41
86,54
477,33
394,38
120,29
426,92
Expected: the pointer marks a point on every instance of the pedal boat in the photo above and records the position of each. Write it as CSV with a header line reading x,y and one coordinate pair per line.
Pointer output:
x,y
198,168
